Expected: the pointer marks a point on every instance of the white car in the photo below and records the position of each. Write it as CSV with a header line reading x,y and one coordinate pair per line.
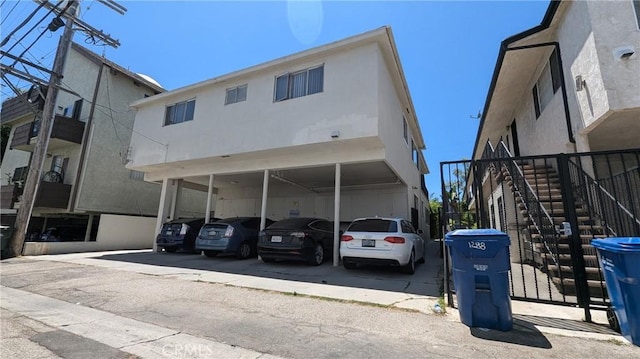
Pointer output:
x,y
382,241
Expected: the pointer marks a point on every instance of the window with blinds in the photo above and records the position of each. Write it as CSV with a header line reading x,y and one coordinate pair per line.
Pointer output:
x,y
300,83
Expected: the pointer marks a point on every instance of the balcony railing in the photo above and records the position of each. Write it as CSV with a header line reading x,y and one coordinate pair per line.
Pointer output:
x,y
65,132
52,193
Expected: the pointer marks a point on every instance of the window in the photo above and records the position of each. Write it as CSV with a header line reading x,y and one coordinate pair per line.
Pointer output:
x,y
298,84
407,227
179,112
405,130
373,225
548,84
414,151
136,175
236,94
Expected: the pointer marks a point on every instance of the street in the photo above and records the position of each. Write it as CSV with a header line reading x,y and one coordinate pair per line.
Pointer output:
x,y
69,309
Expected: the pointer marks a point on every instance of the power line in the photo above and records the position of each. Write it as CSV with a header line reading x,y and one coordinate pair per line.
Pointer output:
x,y
10,11
24,22
32,28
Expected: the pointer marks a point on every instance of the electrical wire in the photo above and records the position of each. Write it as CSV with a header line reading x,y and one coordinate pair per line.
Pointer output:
x,y
24,22
32,28
10,11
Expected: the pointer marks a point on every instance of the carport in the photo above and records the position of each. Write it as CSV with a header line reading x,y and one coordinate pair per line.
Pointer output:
x,y
268,193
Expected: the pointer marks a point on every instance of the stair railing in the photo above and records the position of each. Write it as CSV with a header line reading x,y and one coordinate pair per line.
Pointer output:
x,y
537,214
602,205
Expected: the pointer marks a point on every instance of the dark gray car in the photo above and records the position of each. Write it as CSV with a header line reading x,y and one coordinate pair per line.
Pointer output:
x,y
237,235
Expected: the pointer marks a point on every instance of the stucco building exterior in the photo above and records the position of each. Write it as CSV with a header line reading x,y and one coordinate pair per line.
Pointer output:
x,y
84,177
329,132
557,154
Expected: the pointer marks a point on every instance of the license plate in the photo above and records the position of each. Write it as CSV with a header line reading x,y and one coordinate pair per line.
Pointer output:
x,y
368,242
212,233
276,239
168,233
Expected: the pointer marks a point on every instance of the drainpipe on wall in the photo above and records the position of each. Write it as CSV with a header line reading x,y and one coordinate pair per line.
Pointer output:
x,y
85,141
563,85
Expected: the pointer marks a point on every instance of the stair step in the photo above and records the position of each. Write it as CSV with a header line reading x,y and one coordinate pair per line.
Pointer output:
x,y
572,282
589,270
588,258
565,238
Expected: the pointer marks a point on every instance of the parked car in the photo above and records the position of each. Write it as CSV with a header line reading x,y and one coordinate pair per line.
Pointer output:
x,y
306,239
62,234
179,234
382,241
237,235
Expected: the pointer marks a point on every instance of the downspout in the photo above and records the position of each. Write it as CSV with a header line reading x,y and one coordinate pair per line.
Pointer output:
x,y
85,140
563,84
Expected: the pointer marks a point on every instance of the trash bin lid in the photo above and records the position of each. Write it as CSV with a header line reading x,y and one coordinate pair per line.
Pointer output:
x,y
618,244
476,232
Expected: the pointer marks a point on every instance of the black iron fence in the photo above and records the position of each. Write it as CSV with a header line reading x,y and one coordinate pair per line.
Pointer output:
x,y
551,207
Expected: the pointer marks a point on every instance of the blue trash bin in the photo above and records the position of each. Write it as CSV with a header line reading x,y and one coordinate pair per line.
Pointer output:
x,y
620,262
480,261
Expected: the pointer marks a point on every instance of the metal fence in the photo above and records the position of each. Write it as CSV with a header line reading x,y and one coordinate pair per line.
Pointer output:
x,y
551,207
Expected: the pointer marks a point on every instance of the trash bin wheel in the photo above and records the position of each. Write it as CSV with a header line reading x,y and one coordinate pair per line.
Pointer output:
x,y
613,319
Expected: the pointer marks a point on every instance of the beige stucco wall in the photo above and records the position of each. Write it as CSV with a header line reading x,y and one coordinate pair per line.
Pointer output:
x,y
115,232
283,201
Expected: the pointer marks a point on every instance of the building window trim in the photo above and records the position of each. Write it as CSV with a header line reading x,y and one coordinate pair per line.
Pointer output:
x,y
547,85
405,130
179,112
236,94
300,83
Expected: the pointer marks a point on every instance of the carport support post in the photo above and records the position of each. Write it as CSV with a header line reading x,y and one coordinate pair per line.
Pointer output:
x,y
161,211
87,235
207,215
177,184
263,209
336,219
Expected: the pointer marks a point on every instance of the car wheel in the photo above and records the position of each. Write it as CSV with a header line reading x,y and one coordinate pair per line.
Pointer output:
x,y
318,255
170,249
349,265
613,319
210,254
267,259
244,251
410,267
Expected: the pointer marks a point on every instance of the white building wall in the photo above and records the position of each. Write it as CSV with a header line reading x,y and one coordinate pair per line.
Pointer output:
x,y
614,25
284,202
347,104
397,150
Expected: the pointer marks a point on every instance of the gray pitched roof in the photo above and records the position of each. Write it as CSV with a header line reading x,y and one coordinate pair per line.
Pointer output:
x,y
13,108
16,107
99,59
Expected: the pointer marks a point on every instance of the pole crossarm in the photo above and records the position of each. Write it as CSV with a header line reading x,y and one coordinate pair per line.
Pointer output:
x,y
106,38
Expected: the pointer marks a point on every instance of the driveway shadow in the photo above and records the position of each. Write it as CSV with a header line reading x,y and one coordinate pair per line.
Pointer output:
x,y
426,280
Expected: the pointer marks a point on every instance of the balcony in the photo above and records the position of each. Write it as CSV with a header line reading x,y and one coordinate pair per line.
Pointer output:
x,y
52,193
65,132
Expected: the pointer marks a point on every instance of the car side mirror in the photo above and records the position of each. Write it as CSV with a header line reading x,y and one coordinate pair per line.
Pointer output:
x,y
420,231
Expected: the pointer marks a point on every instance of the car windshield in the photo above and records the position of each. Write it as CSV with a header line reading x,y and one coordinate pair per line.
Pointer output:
x,y
373,225
291,223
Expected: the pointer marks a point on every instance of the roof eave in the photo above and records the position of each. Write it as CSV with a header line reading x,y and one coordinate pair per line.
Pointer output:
x,y
504,45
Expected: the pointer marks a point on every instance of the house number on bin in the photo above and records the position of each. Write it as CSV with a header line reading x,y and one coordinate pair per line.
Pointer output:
x,y
478,245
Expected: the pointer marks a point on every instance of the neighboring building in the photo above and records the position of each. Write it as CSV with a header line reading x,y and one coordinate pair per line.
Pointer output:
x,y
557,153
84,179
269,139
587,99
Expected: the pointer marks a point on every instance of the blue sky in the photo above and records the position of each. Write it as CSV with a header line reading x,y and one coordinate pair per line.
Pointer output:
x,y
448,49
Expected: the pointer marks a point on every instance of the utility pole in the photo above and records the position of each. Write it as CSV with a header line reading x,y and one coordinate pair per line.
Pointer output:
x,y
40,151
